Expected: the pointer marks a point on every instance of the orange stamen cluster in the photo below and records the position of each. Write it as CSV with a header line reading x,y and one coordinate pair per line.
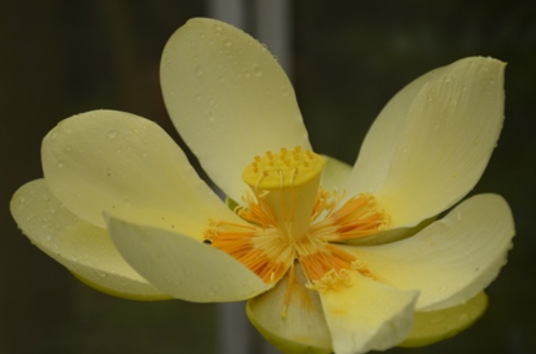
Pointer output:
x,y
242,243
289,218
358,217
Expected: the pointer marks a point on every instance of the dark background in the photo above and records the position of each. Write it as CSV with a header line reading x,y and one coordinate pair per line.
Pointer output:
x,y
59,58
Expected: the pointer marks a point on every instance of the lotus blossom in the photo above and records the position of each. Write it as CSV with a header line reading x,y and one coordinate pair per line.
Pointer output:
x,y
333,258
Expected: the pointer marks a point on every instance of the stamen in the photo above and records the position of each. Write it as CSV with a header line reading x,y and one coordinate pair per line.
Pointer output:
x,y
358,217
247,244
288,291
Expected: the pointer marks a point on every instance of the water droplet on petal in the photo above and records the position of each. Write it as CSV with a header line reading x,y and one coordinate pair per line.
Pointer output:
x,y
228,42
22,202
257,71
111,134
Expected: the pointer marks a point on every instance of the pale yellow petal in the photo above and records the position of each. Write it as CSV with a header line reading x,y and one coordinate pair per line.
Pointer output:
x,y
367,315
302,328
182,267
335,174
450,261
85,250
383,138
443,145
229,99
435,326
115,161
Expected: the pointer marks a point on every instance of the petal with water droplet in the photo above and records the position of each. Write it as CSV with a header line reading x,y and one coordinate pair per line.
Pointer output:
x,y
451,260
138,173
182,267
367,315
86,250
432,142
254,109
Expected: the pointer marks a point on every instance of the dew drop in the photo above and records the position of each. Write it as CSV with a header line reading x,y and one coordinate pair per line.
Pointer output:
x,y
111,134
210,117
257,71
199,71
459,216
436,319
463,317
198,97
228,43
60,164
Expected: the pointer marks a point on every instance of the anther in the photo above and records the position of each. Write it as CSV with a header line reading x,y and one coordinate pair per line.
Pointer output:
x,y
257,158
269,154
283,151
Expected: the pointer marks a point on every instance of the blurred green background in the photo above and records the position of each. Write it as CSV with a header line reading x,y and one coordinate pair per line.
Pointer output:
x,y
59,58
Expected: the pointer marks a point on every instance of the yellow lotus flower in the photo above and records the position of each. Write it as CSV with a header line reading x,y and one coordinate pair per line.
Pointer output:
x,y
121,207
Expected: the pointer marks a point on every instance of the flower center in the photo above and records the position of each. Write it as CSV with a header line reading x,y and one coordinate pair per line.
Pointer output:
x,y
290,218
285,185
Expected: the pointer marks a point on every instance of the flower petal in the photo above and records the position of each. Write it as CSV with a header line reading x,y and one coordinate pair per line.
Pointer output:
x,y
367,315
445,138
118,162
303,329
453,259
85,250
182,267
229,99
335,174
435,326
